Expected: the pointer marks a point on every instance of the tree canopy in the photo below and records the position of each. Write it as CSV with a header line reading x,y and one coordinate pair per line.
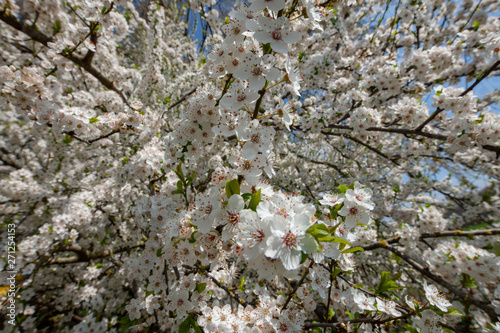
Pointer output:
x,y
259,166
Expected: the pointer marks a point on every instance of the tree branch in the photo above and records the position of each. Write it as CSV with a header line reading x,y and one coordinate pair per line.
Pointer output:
x,y
85,255
35,34
486,307
453,233
465,92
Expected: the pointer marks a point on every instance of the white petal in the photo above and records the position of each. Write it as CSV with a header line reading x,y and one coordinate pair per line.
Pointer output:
x,y
276,5
278,45
301,222
292,37
309,244
291,259
264,37
274,244
235,203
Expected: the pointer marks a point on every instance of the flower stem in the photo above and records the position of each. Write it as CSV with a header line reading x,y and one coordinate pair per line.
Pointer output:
x,y
274,85
297,286
267,115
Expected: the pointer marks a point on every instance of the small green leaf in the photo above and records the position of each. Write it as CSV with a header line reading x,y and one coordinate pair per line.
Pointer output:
x,y
343,188
192,239
318,231
67,139
454,312
242,283
267,48
93,120
57,27
475,25
246,196
232,187
200,287
186,325
480,120
254,201
354,249
179,172
336,239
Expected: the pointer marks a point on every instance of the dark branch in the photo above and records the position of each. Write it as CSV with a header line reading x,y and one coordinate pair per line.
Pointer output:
x,y
40,37
486,307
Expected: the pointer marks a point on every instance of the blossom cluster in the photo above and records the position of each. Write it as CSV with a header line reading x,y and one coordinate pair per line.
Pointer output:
x,y
303,165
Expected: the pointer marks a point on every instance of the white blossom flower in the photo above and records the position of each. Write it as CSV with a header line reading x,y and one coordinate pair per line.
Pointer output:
x,y
293,76
289,240
387,306
253,234
364,302
277,32
434,297
332,200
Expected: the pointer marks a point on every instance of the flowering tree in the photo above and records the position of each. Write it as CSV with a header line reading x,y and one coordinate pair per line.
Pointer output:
x,y
287,177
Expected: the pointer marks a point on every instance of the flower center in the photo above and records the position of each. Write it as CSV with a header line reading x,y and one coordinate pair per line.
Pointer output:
x,y
283,326
282,212
234,218
247,165
257,70
258,235
353,211
241,97
255,138
290,240
360,197
276,35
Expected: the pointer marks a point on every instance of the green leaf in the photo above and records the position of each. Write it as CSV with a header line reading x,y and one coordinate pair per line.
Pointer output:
x,y
187,324
57,27
336,272
318,231
480,120
190,179
179,172
331,313
354,249
334,239
267,48
192,239
387,282
242,283
232,187
200,287
254,201
159,253
246,196
475,25
343,188
304,258
67,139
454,312
93,120
468,281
